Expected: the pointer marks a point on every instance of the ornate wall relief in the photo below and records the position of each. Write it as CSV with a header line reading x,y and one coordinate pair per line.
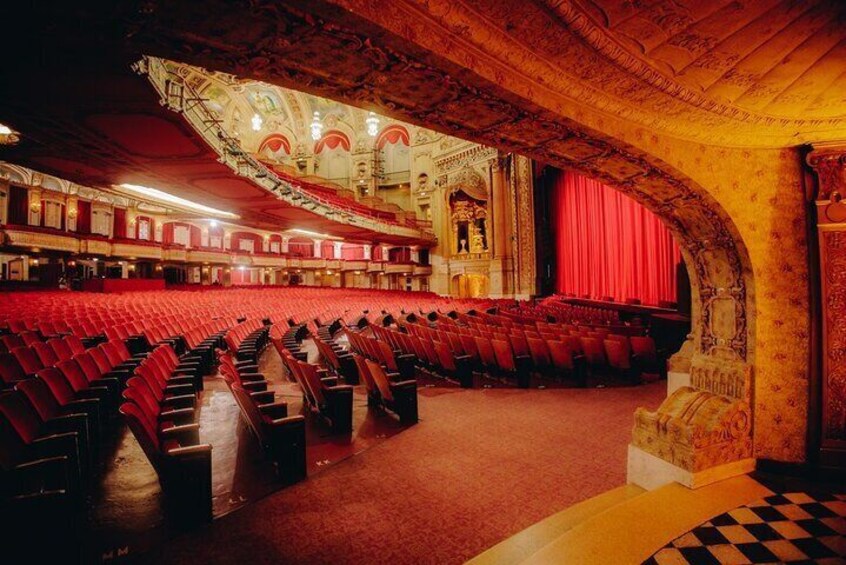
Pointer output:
x,y
830,166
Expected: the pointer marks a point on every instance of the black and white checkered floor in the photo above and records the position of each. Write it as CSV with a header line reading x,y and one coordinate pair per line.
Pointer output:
x,y
794,527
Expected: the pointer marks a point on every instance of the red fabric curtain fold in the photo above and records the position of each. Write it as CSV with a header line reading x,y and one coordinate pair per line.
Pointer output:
x,y
18,205
609,245
119,230
83,216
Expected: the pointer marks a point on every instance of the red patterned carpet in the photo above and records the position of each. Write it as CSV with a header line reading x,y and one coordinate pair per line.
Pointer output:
x,y
481,466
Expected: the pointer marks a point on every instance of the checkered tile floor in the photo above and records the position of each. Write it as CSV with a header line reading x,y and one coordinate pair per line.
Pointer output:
x,y
784,528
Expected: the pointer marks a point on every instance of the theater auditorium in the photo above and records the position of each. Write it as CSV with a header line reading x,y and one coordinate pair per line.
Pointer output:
x,y
441,282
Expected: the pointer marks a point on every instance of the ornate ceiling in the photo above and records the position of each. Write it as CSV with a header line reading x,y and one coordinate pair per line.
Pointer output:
x,y
769,58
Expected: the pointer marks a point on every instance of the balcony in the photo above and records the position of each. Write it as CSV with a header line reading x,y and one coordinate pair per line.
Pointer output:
x,y
42,238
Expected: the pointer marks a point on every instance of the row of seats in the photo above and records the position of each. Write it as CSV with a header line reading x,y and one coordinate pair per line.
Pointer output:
x,y
282,437
160,408
323,395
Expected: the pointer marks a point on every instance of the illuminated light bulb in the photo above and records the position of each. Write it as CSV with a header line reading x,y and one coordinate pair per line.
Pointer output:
x,y
316,126
256,122
372,124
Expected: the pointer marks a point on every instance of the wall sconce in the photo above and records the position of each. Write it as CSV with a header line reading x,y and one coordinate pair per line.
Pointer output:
x,y
158,267
72,213
132,267
33,262
35,206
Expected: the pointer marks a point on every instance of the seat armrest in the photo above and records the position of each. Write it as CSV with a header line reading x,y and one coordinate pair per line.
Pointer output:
x,y
339,389
274,410
180,416
180,388
180,401
329,381
263,396
289,420
402,385
188,434
35,474
254,386
190,450
252,376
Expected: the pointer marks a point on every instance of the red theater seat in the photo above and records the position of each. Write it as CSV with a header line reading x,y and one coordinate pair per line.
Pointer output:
x,y
183,464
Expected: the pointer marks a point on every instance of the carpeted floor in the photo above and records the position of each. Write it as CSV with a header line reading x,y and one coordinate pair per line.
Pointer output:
x,y
480,466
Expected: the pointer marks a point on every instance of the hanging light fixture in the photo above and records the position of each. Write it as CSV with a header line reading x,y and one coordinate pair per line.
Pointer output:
x,y
316,126
372,124
257,122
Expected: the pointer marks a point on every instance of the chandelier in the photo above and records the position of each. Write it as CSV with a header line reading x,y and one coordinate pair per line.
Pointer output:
x,y
372,124
316,126
257,122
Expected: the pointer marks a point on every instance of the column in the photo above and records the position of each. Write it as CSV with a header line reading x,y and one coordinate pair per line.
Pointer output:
x,y
318,243
415,254
828,288
367,252
285,241
338,247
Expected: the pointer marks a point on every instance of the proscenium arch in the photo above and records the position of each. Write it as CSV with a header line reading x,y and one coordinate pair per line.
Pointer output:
x,y
387,66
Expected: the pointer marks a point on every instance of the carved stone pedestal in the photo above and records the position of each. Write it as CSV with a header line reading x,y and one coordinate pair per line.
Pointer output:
x,y
700,433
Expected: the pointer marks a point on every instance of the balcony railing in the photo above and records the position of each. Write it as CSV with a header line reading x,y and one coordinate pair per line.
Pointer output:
x,y
179,96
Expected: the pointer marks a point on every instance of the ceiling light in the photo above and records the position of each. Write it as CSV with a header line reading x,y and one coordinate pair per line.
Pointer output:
x,y
170,198
311,233
316,126
8,136
257,122
213,223
372,124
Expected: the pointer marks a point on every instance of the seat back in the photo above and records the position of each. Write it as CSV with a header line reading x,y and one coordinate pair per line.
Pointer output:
x,y
10,369
561,354
88,366
146,435
58,384
364,373
539,352
12,341
593,350
618,354
486,351
40,397
17,410
75,344
61,349
381,380
445,358
74,374
504,355
45,354
28,359
644,348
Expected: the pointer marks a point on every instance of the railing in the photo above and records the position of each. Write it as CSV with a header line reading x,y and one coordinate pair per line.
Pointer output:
x,y
179,96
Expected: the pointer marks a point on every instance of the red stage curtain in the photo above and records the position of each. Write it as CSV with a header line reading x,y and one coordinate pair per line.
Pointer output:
x,y
119,230
609,245
18,205
83,216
